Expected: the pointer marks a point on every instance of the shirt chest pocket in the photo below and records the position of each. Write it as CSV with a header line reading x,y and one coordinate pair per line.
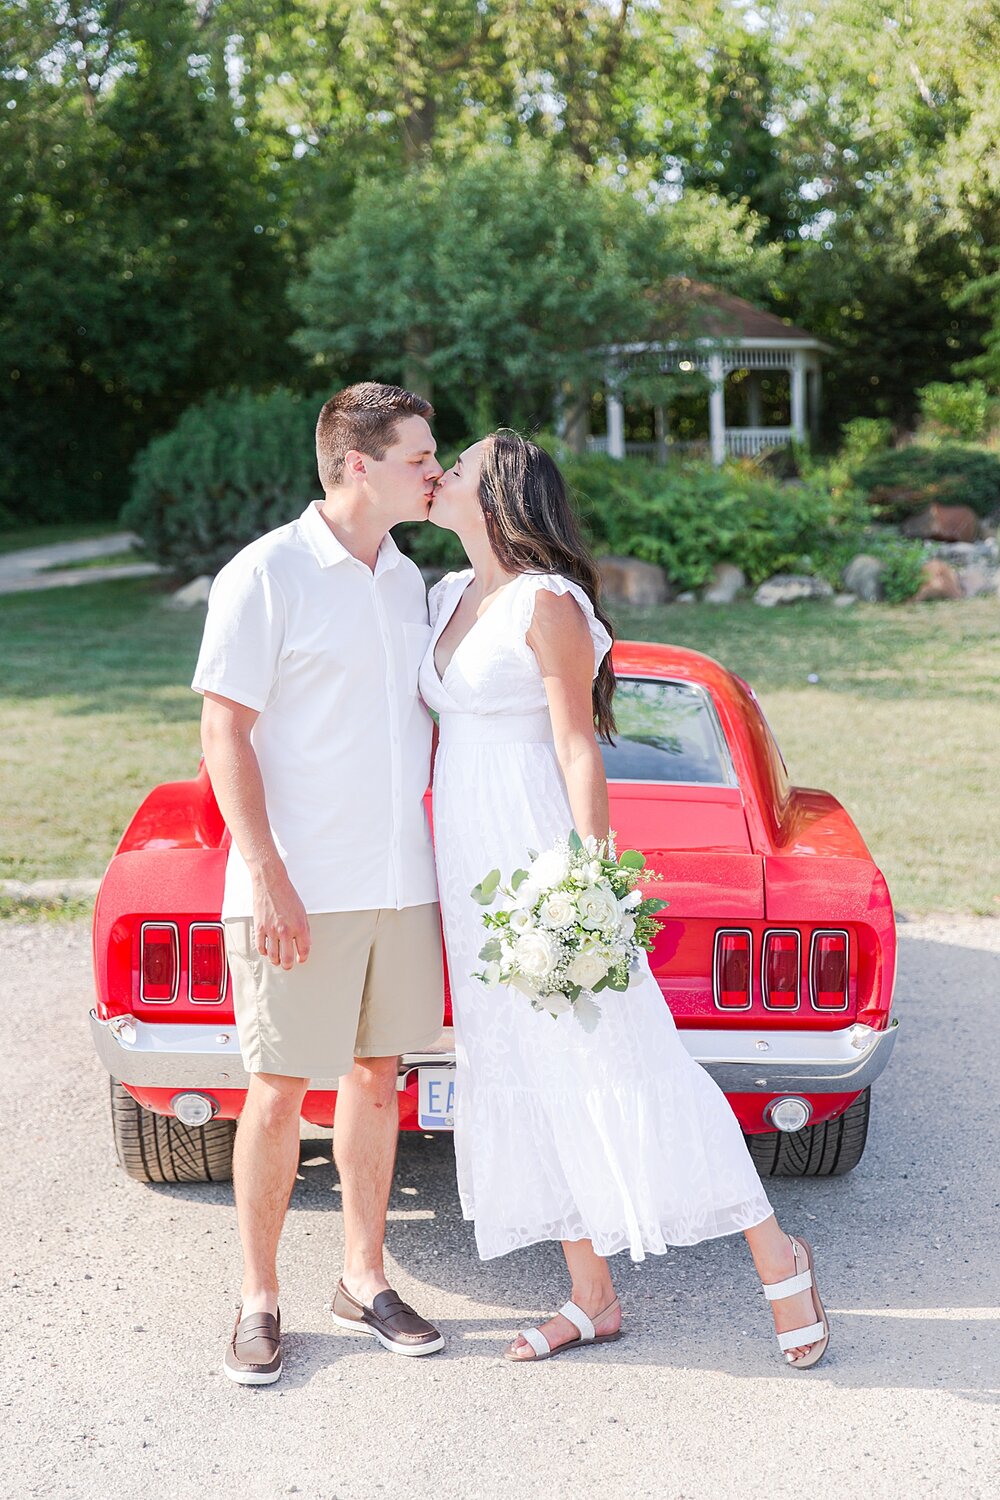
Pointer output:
x,y
416,639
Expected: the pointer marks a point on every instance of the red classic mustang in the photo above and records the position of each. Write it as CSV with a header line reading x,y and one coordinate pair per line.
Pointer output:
x,y
777,955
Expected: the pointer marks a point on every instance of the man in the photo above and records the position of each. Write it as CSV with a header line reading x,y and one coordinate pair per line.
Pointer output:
x,y
318,749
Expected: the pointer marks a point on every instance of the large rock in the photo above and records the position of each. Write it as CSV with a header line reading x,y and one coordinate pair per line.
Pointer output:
x,y
943,523
977,579
863,576
192,594
626,580
940,582
961,554
727,582
789,588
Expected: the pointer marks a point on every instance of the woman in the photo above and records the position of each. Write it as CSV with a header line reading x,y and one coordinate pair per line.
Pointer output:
x,y
606,1140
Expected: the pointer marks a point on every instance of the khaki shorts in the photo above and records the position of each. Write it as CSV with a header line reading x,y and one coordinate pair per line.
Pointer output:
x,y
372,986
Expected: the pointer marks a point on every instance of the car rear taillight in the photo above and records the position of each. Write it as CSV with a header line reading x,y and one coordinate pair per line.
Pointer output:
x,y
160,962
828,971
207,963
780,973
731,970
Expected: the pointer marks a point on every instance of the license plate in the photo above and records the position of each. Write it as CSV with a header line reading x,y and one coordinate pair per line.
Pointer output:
x,y
436,1098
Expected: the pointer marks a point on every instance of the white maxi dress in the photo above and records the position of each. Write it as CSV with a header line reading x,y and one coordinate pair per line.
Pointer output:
x,y
617,1136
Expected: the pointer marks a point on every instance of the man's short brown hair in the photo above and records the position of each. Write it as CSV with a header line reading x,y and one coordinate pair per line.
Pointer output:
x,y
365,417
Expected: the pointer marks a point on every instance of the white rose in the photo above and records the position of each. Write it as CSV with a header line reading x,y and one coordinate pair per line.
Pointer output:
x,y
556,1004
586,970
549,869
598,911
557,910
535,954
521,920
491,975
633,899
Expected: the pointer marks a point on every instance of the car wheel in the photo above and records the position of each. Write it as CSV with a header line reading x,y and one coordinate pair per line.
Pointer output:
x,y
827,1150
158,1148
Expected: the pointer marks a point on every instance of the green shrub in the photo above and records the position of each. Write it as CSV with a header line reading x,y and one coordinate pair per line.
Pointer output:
x,y
863,436
233,468
688,518
903,571
904,480
956,410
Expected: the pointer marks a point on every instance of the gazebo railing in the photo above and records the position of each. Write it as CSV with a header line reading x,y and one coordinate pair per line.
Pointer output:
x,y
744,442
741,442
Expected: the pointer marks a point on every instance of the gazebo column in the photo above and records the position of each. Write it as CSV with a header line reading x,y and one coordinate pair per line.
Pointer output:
x,y
717,408
798,398
755,403
615,420
816,394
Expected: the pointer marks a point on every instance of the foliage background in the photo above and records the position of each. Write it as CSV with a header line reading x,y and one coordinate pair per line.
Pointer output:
x,y
198,195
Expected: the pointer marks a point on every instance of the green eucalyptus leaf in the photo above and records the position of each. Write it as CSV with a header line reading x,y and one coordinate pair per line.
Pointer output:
x,y
517,879
631,859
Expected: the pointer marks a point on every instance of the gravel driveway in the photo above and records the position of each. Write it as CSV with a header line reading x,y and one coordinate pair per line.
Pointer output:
x,y
118,1297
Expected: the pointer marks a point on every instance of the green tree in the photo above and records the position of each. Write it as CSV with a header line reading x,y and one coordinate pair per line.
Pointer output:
x,y
142,261
506,272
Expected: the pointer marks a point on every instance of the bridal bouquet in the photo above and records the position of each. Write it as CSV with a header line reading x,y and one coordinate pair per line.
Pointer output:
x,y
571,925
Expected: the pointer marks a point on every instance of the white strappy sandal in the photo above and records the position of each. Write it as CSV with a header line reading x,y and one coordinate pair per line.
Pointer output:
x,y
817,1334
573,1314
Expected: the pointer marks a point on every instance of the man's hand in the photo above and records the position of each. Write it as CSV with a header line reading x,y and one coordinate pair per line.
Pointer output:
x,y
281,927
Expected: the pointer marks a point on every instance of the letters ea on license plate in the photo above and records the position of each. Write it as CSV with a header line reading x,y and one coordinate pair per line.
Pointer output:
x,y
436,1098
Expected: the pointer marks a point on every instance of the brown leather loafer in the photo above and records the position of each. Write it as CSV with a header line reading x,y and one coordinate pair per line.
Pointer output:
x,y
389,1319
253,1354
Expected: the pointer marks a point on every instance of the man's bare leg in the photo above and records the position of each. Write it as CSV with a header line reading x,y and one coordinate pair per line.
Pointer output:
x,y
365,1131
265,1158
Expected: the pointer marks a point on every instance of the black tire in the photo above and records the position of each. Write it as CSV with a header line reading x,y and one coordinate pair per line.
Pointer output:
x,y
158,1148
827,1150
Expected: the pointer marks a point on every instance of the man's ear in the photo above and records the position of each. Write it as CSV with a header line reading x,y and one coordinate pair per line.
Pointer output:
x,y
355,463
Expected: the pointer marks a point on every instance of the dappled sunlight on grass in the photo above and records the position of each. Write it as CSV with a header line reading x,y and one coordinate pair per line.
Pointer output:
x,y
902,724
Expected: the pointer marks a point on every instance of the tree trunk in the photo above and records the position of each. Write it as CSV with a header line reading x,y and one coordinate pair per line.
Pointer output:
x,y
416,376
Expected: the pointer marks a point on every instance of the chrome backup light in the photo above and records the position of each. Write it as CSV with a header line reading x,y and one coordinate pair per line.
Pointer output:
x,y
788,1114
193,1109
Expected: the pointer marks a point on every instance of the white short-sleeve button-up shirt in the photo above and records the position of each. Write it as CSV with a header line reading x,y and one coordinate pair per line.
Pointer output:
x,y
328,652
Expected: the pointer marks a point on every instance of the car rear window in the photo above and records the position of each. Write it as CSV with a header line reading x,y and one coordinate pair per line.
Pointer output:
x,y
667,731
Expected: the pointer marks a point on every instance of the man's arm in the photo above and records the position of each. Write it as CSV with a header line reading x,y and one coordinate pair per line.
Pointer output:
x,y
281,926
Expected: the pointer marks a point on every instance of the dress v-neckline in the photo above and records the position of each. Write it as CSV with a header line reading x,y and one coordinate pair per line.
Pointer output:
x,y
440,630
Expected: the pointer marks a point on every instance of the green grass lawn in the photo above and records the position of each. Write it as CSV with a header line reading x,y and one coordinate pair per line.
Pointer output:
x,y
903,724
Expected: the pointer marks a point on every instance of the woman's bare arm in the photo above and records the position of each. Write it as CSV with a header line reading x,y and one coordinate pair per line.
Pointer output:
x,y
560,638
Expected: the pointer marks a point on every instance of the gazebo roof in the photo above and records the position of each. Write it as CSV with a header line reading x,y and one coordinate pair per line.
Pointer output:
x,y
718,314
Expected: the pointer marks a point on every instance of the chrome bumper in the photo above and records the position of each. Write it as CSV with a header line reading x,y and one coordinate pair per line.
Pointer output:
x,y
182,1055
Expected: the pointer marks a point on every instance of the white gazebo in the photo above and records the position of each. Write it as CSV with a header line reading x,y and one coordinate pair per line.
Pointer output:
x,y
725,334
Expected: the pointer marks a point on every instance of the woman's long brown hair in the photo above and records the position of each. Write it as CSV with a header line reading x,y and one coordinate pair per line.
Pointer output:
x,y
532,528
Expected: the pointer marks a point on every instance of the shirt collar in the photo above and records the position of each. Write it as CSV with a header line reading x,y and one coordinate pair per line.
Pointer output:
x,y
329,550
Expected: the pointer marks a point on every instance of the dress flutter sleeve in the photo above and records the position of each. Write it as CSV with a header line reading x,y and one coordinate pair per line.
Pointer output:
x,y
532,584
436,594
